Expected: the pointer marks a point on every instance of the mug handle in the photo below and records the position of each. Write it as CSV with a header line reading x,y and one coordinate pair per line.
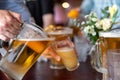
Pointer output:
x,y
98,53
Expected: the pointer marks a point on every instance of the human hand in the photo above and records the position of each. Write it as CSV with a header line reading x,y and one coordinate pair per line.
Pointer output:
x,y
50,53
10,24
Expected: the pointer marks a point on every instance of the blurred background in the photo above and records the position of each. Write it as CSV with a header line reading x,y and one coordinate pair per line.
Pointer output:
x,y
62,7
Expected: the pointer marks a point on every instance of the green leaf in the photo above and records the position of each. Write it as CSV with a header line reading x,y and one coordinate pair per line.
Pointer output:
x,y
105,12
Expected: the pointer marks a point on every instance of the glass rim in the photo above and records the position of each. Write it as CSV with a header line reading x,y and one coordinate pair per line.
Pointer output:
x,y
35,39
65,30
109,34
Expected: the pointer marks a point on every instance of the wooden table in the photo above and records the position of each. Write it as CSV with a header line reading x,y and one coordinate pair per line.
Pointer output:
x,y
41,71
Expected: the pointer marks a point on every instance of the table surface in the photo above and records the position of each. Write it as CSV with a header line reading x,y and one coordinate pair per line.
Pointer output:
x,y
41,71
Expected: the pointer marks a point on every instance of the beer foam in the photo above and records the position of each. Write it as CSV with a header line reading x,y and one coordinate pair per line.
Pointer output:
x,y
40,39
65,49
109,34
65,31
59,33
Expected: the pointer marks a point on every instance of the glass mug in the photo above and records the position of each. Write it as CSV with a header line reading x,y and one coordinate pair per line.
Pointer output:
x,y
59,33
107,40
24,51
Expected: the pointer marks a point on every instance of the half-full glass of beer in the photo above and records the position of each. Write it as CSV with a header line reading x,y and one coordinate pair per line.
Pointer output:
x,y
24,51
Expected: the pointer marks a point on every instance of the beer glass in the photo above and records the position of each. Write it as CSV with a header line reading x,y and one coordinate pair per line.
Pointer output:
x,y
65,49
107,40
60,33
54,64
24,50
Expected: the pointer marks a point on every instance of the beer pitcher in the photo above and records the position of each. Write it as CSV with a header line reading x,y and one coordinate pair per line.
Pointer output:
x,y
24,51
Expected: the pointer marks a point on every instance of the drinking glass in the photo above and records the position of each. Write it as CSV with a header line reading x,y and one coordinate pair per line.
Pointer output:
x,y
24,51
107,40
59,33
113,57
54,64
65,49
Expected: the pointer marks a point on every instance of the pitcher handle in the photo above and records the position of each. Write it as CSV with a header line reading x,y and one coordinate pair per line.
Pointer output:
x,y
3,46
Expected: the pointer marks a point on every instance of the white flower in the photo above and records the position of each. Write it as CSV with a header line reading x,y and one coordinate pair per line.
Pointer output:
x,y
82,23
94,33
86,29
113,10
92,27
90,30
94,19
87,22
106,24
86,16
98,25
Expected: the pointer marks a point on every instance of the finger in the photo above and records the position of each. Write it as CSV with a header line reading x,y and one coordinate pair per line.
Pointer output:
x,y
16,27
12,23
4,38
10,29
16,16
47,56
70,43
8,34
56,57
53,53
50,53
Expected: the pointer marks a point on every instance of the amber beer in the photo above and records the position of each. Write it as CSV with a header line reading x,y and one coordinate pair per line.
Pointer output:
x,y
23,55
67,53
58,36
111,40
69,58
75,30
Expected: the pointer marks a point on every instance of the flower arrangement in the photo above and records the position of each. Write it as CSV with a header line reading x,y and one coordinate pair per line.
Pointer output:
x,y
93,24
